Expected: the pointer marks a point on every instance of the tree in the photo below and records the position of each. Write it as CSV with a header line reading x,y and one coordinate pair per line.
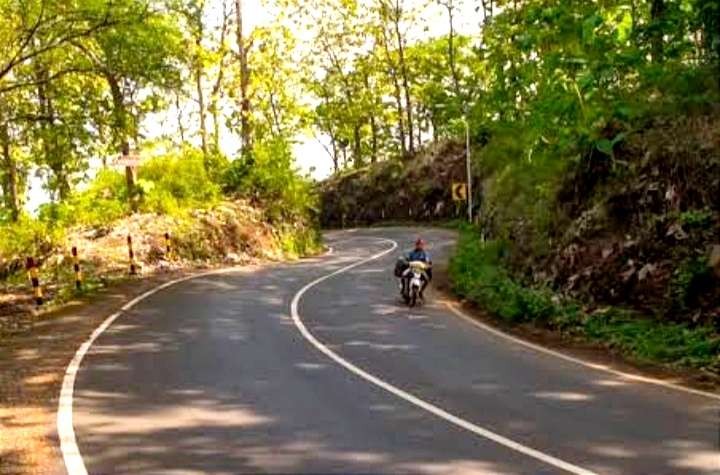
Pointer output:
x,y
392,15
451,7
141,56
244,44
37,27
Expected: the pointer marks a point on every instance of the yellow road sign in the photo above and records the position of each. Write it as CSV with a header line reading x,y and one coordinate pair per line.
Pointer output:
x,y
459,192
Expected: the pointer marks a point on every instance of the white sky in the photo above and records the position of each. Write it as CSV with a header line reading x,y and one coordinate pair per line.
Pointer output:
x,y
310,155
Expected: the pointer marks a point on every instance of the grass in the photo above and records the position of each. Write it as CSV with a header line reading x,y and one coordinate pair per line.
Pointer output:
x,y
477,273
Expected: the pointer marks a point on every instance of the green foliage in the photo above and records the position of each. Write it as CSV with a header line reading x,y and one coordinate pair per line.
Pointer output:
x,y
103,201
689,281
297,241
650,341
169,184
27,237
477,273
268,176
175,182
697,218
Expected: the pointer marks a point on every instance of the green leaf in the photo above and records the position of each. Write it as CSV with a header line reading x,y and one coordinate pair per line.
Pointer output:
x,y
605,146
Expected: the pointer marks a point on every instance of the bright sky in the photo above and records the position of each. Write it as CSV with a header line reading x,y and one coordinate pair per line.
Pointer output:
x,y
310,154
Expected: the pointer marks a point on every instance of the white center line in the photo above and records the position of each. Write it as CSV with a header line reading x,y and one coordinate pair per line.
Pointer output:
x,y
431,408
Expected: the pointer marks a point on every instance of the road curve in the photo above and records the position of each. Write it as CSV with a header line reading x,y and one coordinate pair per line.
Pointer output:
x,y
315,367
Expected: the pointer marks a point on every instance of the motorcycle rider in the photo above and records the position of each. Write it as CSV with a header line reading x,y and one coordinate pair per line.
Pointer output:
x,y
421,255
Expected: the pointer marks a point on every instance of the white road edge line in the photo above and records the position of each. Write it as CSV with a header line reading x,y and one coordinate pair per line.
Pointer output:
x,y
66,433
588,364
435,410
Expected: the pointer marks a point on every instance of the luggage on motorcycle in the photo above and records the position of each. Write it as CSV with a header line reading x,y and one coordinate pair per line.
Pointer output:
x,y
400,266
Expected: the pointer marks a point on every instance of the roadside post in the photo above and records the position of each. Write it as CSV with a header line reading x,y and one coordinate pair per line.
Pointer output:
x,y
76,268
34,280
129,161
131,254
469,168
168,247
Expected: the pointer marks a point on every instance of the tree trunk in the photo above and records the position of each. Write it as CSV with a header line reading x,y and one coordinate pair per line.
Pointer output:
x,y
401,120
10,190
217,87
181,126
357,147
451,47
373,122
245,132
201,100
51,147
335,154
120,126
405,79
488,10
433,125
657,14
214,109
373,140
397,93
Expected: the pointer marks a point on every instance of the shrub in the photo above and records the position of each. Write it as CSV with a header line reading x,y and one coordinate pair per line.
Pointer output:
x,y
689,281
24,238
477,273
174,182
269,177
104,200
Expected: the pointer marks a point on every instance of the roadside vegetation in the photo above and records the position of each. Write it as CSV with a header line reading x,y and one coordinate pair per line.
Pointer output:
x,y
593,126
168,82
479,273
209,222
596,161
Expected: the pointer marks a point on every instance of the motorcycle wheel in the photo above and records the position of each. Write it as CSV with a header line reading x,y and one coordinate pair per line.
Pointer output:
x,y
413,298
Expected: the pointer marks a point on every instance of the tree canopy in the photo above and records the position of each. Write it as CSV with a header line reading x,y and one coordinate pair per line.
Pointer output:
x,y
81,80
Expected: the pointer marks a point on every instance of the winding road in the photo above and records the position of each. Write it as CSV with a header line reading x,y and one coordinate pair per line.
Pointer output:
x,y
315,367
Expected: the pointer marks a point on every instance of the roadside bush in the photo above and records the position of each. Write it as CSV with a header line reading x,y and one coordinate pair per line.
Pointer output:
x,y
174,182
104,200
169,184
690,280
268,177
300,241
28,237
478,273
651,341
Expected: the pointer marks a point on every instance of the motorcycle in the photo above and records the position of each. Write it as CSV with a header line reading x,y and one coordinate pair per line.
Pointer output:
x,y
413,280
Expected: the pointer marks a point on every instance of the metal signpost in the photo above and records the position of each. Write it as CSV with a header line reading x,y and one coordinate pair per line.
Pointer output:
x,y
129,161
469,170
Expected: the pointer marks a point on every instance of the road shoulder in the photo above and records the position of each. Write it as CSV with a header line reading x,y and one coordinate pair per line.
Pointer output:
x,y
574,348
32,366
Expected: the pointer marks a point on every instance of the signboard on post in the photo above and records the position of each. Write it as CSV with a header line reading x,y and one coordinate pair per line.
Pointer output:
x,y
131,160
459,192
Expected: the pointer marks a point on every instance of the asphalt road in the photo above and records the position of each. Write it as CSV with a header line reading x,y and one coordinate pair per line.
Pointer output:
x,y
214,375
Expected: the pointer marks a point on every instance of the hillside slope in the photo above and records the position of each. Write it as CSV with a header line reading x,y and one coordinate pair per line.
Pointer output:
x,y
417,189
637,230
231,232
